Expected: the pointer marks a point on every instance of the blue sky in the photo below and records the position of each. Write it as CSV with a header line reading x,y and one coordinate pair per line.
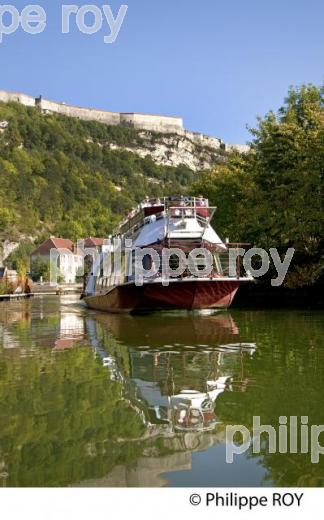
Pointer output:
x,y
218,64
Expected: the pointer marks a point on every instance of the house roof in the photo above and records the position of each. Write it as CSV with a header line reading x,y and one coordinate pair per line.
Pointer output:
x,y
92,241
53,243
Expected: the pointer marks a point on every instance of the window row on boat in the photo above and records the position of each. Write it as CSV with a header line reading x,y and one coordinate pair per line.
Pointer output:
x,y
113,275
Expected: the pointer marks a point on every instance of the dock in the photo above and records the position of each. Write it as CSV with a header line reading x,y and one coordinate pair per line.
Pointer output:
x,y
20,296
43,291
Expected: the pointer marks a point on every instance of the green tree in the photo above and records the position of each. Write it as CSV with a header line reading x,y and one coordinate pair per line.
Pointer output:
x,y
40,268
273,196
60,175
19,260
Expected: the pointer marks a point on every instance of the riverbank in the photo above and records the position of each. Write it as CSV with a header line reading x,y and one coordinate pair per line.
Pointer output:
x,y
264,296
46,288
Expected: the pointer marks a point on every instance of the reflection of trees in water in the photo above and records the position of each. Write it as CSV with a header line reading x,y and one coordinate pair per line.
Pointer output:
x,y
61,418
69,416
288,380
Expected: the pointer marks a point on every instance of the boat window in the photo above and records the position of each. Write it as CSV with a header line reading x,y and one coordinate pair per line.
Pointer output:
x,y
218,264
147,262
174,262
201,262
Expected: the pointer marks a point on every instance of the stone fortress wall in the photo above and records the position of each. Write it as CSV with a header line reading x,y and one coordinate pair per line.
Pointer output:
x,y
154,123
7,97
164,124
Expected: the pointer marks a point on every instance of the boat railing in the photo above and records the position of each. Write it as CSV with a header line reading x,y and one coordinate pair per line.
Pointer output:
x,y
203,215
137,219
174,208
189,202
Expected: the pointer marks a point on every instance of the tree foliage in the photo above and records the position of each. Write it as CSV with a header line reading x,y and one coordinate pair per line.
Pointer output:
x,y
64,176
273,196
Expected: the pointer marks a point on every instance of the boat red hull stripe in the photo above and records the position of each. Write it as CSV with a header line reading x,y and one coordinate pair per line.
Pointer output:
x,y
186,295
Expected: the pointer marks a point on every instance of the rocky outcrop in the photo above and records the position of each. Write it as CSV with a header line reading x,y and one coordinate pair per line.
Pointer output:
x,y
6,248
165,138
196,151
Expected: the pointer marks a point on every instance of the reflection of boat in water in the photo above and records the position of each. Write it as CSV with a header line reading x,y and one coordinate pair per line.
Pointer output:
x,y
177,368
173,373
188,410
171,330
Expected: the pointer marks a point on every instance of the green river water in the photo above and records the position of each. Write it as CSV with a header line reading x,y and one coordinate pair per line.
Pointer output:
x,y
92,399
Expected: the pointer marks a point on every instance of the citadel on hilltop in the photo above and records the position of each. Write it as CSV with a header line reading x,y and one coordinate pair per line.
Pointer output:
x,y
147,122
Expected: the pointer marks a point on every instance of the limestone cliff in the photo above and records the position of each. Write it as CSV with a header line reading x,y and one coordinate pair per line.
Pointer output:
x,y
164,137
195,151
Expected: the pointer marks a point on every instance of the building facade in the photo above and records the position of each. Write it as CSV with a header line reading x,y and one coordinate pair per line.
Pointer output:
x,y
69,264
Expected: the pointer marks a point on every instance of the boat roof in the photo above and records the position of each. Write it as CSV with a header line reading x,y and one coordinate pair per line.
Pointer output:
x,y
156,206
